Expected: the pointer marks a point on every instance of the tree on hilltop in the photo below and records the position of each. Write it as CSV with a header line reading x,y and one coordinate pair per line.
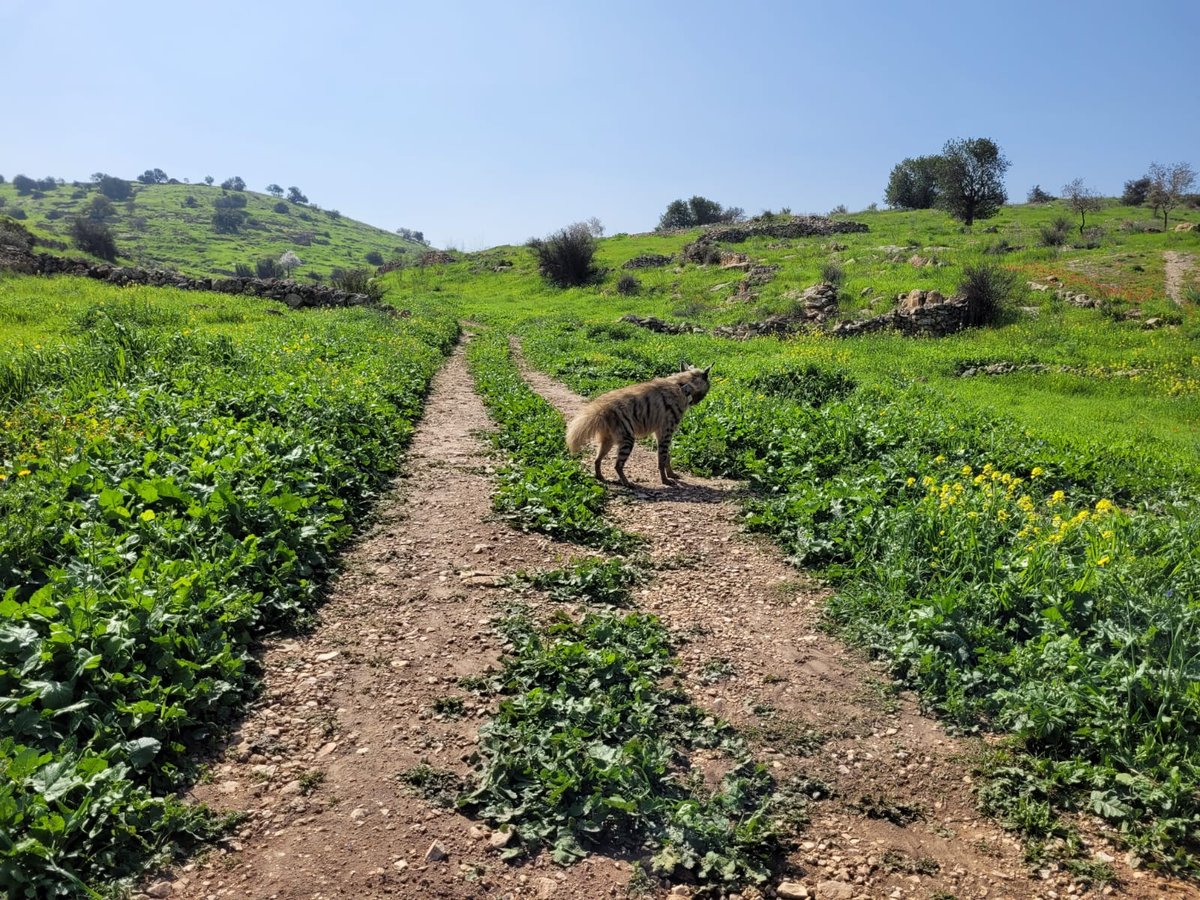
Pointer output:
x,y
970,179
153,176
274,190
295,195
1136,191
1168,185
208,179
697,211
913,183
236,183
112,187
24,184
1081,199
1037,195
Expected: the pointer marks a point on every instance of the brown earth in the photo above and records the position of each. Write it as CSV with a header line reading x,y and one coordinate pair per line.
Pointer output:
x,y
348,707
1178,265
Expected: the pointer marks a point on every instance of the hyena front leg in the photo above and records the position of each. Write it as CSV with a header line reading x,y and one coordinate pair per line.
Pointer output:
x,y
606,443
623,451
664,455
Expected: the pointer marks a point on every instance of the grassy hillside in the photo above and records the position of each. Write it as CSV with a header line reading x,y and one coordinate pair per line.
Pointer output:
x,y
160,227
1127,387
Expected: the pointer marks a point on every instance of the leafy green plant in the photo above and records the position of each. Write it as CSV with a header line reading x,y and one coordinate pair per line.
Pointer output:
x,y
585,749
591,580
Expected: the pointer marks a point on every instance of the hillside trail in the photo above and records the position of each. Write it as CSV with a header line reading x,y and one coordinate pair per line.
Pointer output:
x,y
1177,267
352,704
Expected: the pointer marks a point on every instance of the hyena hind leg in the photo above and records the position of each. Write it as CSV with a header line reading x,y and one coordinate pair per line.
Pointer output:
x,y
623,451
606,443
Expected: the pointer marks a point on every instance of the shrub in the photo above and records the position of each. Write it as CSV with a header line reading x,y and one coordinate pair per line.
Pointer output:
x,y
236,183
282,208
95,238
333,214
839,210
627,285
565,257
18,213
241,270
833,272
999,248
295,195
356,281
228,221
266,267
1037,195
190,202
230,201
986,287
100,208
114,188
24,184
3,201
1055,234
375,258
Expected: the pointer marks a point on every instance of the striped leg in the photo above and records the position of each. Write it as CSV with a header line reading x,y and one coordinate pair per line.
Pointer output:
x,y
623,451
606,443
664,455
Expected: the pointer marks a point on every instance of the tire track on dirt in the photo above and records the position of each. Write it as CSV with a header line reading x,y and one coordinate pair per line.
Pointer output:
x,y
747,613
1178,265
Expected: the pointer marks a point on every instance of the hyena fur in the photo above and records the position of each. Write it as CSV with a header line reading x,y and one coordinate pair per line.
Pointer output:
x,y
622,416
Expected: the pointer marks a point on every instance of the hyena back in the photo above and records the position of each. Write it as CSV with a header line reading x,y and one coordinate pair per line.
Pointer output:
x,y
622,416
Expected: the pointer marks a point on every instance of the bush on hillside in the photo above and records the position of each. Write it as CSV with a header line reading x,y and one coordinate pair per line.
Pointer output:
x,y
112,187
228,221
282,208
356,281
295,195
100,209
236,183
985,286
1037,195
24,184
565,257
18,213
1055,234
241,270
375,258
190,202
833,273
230,201
95,238
266,267
627,285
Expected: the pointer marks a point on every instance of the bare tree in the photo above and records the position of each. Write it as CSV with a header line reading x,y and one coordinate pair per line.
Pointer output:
x,y
595,226
1168,184
287,262
1081,199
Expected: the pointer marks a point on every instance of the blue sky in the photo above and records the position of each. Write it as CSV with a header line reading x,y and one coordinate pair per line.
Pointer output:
x,y
487,123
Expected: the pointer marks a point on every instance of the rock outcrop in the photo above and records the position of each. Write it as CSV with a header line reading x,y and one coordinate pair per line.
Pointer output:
x,y
648,261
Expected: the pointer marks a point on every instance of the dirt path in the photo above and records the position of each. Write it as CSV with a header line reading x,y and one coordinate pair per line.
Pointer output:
x,y
346,708
1178,265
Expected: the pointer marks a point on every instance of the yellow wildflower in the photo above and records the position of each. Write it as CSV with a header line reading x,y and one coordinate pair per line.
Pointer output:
x,y
1002,515
1103,506
939,458
972,515
148,516
966,470
1104,560
24,472
1057,497
911,481
1037,470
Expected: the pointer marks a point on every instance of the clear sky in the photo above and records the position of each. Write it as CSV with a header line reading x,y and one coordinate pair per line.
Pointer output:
x,y
487,123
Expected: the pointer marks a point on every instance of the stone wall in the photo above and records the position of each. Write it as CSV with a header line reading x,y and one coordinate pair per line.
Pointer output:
x,y
297,295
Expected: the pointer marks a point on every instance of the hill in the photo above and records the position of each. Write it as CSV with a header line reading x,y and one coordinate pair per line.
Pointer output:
x,y
171,226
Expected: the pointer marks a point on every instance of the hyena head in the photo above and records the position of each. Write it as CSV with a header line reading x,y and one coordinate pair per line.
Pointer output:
x,y
693,382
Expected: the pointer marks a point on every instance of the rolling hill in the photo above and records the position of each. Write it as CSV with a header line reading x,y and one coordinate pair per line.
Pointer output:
x,y
171,226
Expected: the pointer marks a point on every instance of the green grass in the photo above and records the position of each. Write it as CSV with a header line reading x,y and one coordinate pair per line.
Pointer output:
x,y
155,229
176,476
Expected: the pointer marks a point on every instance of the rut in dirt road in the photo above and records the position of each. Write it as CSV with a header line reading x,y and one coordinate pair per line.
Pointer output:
x,y
354,704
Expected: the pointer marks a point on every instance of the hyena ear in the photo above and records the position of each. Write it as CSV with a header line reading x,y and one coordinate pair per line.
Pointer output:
x,y
709,369
683,366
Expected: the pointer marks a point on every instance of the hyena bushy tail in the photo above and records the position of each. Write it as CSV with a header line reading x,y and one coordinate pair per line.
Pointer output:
x,y
584,427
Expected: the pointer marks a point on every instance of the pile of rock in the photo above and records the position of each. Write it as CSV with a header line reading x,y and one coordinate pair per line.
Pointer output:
x,y
648,261
294,294
796,226
653,323
919,312
1064,293
436,258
